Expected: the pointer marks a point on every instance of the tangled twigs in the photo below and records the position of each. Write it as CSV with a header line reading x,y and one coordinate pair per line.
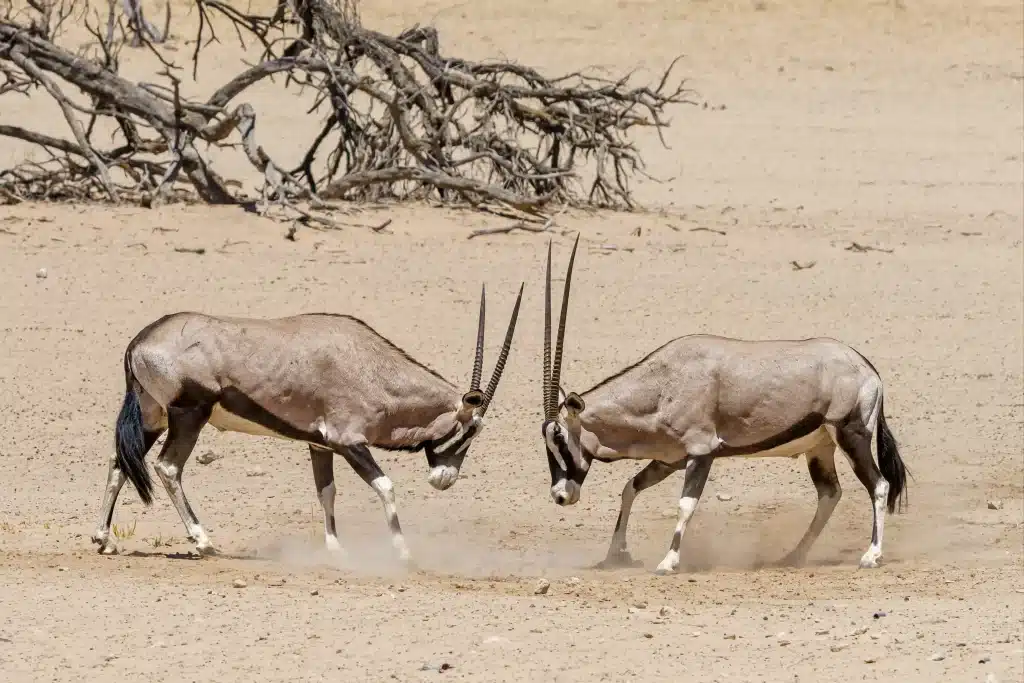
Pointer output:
x,y
397,119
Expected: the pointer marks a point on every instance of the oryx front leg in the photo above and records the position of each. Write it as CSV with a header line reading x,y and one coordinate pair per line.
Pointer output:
x,y
365,466
323,478
694,477
115,481
618,552
183,427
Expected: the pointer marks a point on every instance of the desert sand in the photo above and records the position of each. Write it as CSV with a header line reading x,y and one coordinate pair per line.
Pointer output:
x,y
895,127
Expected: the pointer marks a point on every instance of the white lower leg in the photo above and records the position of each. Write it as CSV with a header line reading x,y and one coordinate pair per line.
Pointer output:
x,y
870,559
385,489
115,480
330,530
170,476
687,506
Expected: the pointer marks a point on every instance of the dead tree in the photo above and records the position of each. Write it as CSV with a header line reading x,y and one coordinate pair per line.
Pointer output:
x,y
397,119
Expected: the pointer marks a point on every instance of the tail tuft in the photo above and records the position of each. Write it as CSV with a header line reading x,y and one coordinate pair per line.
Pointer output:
x,y
130,445
891,464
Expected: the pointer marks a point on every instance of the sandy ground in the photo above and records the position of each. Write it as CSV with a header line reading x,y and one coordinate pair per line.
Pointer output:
x,y
843,122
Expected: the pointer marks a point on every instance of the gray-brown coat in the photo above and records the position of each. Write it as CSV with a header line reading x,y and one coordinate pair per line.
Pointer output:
x,y
328,380
702,397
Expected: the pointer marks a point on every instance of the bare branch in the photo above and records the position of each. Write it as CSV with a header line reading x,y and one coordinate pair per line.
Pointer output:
x,y
397,119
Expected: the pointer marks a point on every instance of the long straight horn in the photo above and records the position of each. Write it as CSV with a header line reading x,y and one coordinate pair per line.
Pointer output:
x,y
547,340
478,362
556,368
499,367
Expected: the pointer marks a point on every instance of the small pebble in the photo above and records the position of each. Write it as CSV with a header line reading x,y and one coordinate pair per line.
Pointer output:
x,y
648,635
730,636
254,472
992,504
838,647
542,587
239,583
870,659
41,273
991,678
937,657
640,604
724,497
665,611
208,457
985,660
879,615
314,592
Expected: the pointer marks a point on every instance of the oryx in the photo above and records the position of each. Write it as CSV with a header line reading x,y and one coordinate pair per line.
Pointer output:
x,y
701,397
328,380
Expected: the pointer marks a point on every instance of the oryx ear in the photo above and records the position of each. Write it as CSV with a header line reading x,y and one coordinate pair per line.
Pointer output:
x,y
574,405
472,399
561,396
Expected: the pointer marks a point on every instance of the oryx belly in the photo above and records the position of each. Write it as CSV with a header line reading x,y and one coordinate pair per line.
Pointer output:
x,y
794,448
227,421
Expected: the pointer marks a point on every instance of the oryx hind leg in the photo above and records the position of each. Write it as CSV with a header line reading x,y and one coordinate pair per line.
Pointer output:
x,y
184,425
854,438
695,476
322,460
618,552
361,460
154,423
116,480
821,464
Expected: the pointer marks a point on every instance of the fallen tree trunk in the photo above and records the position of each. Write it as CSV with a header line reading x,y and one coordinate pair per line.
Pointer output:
x,y
399,119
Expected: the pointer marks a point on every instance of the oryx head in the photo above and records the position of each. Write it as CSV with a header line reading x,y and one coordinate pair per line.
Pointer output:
x,y
446,453
567,457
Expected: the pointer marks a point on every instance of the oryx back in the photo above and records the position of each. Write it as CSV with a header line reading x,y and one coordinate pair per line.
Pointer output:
x,y
282,377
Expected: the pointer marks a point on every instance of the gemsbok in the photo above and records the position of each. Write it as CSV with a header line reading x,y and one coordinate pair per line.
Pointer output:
x,y
328,380
702,397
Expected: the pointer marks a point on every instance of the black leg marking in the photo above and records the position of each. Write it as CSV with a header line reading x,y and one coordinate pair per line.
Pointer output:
x,y
115,481
855,441
695,477
184,425
361,460
618,553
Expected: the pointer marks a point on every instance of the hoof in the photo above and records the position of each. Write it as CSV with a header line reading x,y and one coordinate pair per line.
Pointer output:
x,y
663,570
791,561
869,563
619,560
110,549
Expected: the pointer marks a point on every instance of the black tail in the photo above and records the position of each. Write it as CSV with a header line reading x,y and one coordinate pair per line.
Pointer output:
x,y
890,463
130,440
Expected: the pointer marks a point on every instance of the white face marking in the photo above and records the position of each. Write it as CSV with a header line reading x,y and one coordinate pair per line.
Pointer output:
x,y
443,476
568,491
576,452
553,449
